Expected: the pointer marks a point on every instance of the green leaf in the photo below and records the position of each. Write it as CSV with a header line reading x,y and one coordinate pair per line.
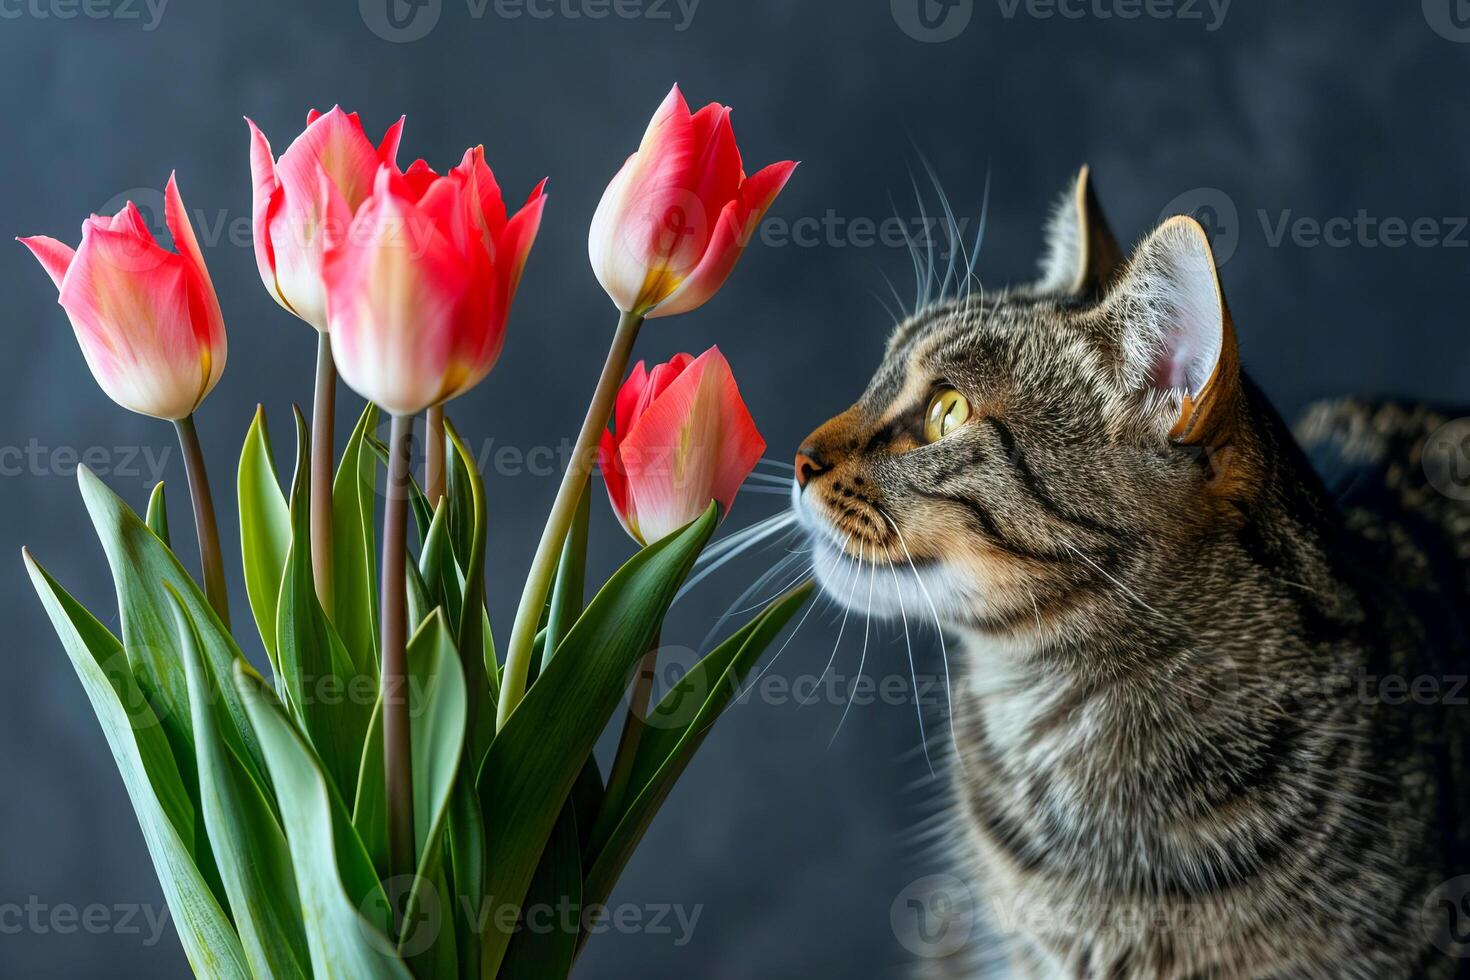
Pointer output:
x,y
249,845
141,564
157,519
465,838
436,733
330,699
420,605
151,776
465,492
474,624
546,944
437,706
567,595
265,531
673,732
344,908
370,802
537,755
438,569
354,547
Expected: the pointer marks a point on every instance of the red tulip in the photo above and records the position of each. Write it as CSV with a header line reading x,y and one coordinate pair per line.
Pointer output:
x,y
419,290
147,319
681,437
307,199
674,221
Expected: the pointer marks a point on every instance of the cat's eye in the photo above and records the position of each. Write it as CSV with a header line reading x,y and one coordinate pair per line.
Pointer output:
x,y
948,410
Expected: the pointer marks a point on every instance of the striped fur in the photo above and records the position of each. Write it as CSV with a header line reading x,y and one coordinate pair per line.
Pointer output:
x,y
1182,750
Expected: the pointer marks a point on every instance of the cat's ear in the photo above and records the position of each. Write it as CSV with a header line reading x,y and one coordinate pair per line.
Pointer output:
x,y
1081,256
1173,332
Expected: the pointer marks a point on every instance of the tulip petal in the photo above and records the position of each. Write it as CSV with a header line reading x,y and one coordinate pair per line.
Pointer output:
x,y
388,146
55,257
396,293
694,443
649,230
335,143
716,174
204,311
616,480
736,225
129,303
266,197
182,230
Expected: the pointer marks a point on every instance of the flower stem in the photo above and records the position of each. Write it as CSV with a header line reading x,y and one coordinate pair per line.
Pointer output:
x,y
323,422
543,567
434,454
397,744
633,725
210,559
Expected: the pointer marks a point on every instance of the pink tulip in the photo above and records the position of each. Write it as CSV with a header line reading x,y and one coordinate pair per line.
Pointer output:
x,y
676,218
419,290
147,319
681,437
306,200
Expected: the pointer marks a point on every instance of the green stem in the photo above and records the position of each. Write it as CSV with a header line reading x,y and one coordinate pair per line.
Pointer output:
x,y
543,567
210,558
569,592
434,454
397,744
633,725
323,422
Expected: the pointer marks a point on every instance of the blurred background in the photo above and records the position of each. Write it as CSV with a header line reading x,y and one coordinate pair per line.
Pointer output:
x,y
1326,147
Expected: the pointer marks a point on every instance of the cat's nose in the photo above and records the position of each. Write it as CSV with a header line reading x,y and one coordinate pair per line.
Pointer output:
x,y
808,465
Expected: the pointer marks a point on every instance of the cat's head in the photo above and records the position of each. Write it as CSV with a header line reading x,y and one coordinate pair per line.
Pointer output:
x,y
1027,450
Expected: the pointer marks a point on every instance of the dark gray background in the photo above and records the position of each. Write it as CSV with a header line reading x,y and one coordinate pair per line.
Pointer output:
x,y
794,851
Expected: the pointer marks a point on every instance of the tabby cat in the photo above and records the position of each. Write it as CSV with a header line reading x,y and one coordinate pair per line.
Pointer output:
x,y
1209,719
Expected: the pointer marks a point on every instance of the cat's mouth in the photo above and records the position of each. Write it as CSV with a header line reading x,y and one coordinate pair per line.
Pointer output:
x,y
869,575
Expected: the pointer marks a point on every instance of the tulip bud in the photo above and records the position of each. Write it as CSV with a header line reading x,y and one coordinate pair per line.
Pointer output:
x,y
147,319
676,218
681,437
419,290
306,200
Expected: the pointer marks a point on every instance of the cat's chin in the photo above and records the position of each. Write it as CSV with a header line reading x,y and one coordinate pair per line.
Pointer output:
x,y
921,594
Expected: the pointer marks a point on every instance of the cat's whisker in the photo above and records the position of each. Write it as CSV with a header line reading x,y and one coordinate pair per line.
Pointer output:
x,y
851,582
811,607
888,310
863,659
928,278
770,491
779,568
748,536
952,231
970,276
913,256
913,669
1121,587
801,576
938,628
722,552
902,310
779,463
783,481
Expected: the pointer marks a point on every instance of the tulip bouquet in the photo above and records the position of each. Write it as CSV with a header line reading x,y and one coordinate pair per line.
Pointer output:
x,y
398,799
